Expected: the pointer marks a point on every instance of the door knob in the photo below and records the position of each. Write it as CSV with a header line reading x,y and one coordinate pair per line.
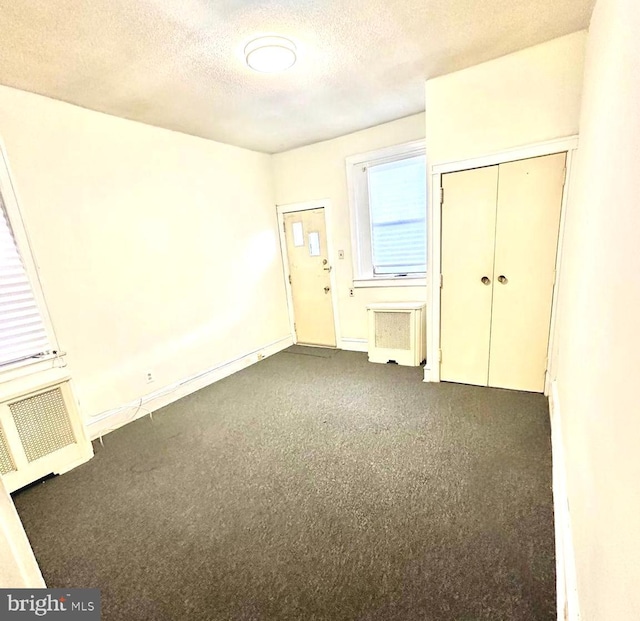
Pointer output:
x,y
485,280
326,289
503,279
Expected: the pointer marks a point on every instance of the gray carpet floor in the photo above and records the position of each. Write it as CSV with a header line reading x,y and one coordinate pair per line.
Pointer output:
x,y
308,488
321,352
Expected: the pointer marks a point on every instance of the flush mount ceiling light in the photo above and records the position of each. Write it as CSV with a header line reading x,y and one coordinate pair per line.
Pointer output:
x,y
270,54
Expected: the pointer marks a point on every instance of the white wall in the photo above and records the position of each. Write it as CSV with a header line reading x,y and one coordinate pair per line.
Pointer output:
x,y
158,251
526,97
318,172
599,334
18,566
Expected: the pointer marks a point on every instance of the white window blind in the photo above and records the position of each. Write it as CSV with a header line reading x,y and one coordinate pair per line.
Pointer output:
x,y
397,204
22,331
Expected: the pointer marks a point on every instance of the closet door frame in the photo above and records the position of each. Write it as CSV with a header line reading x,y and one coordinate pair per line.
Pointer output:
x,y
434,236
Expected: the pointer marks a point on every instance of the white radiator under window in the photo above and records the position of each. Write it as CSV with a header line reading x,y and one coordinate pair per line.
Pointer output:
x,y
40,431
397,333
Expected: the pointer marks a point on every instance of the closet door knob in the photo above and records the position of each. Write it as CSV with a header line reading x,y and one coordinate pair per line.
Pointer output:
x,y
503,279
485,280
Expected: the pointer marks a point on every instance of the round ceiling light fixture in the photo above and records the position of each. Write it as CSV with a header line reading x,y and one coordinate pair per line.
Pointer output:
x,y
270,54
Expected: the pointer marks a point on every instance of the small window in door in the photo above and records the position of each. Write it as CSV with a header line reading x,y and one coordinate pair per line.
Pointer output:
x,y
298,234
314,244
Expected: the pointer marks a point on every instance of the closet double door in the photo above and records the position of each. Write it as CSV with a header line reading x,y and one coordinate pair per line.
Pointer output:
x,y
499,242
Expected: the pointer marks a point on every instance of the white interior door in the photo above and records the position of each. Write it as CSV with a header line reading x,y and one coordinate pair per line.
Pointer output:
x,y
309,269
468,232
528,219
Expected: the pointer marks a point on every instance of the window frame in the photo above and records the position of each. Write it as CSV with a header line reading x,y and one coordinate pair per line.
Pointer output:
x,y
360,219
8,192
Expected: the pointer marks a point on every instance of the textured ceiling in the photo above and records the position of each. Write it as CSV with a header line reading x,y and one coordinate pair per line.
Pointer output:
x,y
179,64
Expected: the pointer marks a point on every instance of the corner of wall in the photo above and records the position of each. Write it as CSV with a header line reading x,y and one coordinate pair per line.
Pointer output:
x,y
568,604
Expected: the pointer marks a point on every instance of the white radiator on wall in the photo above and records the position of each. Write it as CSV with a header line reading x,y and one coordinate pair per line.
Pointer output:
x,y
397,333
41,431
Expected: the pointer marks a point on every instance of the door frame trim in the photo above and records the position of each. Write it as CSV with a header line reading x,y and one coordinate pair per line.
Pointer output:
x,y
568,144
306,206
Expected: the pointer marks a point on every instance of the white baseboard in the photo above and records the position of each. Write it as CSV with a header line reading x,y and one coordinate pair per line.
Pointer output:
x,y
350,344
113,419
566,579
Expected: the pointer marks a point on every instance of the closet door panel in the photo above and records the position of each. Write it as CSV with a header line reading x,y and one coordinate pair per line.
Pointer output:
x,y
527,223
468,229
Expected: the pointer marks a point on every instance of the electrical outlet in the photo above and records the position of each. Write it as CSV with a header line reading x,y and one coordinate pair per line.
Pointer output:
x,y
150,377
350,293
340,254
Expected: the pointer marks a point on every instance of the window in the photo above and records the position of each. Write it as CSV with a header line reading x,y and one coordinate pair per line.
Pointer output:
x,y
23,334
388,200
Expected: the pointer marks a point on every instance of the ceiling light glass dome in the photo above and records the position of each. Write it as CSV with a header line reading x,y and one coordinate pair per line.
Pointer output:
x,y
270,54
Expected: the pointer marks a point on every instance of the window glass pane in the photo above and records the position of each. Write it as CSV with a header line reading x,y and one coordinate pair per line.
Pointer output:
x,y
314,244
22,332
298,234
398,207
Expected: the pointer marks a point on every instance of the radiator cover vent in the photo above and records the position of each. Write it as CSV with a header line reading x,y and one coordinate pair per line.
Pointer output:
x,y
393,330
397,333
6,463
43,423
